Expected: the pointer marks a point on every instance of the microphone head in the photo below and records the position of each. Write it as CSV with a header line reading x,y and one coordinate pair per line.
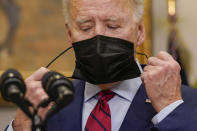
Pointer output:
x,y
58,87
12,83
45,79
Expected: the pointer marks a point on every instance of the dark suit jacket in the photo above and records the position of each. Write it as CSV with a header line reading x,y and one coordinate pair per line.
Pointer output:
x,y
138,117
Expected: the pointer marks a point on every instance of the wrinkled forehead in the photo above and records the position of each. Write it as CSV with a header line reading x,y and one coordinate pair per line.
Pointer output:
x,y
101,7
99,2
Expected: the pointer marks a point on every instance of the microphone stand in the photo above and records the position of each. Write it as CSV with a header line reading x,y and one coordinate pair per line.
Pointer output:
x,y
37,123
55,108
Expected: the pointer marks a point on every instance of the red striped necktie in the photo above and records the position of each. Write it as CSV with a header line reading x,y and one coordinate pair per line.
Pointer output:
x,y
100,117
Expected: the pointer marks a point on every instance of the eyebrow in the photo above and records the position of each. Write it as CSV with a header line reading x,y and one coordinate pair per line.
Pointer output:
x,y
81,21
113,20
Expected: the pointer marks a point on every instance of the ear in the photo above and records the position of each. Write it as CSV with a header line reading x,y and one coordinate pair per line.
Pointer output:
x,y
141,34
68,32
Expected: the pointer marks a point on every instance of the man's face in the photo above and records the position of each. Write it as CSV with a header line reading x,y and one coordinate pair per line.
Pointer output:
x,y
113,18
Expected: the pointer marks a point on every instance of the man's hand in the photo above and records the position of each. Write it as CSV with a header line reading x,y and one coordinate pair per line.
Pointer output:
x,y
35,94
162,80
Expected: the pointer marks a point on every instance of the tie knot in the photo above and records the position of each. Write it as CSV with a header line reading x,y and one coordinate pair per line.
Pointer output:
x,y
105,95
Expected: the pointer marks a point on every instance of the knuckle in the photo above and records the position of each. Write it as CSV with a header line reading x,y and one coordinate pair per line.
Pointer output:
x,y
38,96
160,70
150,60
154,75
146,68
43,70
176,66
40,92
166,66
33,86
161,53
144,76
164,54
27,80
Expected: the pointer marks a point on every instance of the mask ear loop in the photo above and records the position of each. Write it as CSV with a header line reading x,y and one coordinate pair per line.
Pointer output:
x,y
143,54
50,63
58,56
47,66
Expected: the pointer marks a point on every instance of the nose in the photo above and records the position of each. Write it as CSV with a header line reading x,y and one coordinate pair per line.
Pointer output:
x,y
100,29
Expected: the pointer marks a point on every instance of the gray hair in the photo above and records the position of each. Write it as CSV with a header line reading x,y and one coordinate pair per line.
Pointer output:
x,y
138,9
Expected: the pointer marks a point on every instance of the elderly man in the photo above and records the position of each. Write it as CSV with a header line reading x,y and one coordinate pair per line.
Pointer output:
x,y
113,92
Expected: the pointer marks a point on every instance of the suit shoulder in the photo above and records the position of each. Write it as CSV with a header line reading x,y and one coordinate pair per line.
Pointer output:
x,y
189,94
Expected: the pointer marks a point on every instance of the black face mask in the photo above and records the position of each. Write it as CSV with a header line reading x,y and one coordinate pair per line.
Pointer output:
x,y
103,59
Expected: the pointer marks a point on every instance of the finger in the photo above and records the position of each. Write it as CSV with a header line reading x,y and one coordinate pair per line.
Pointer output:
x,y
21,114
144,77
37,97
21,122
33,85
150,68
37,76
43,111
151,72
164,56
35,92
155,61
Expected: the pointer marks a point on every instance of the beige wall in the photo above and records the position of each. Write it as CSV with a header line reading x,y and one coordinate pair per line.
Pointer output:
x,y
187,26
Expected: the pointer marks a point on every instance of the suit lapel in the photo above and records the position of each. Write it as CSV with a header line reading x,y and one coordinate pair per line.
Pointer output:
x,y
140,113
70,118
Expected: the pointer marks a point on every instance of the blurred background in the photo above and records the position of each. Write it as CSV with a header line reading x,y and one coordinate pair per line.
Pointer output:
x,y
32,33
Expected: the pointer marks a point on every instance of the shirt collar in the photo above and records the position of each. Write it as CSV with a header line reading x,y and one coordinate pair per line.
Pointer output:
x,y
125,89
90,91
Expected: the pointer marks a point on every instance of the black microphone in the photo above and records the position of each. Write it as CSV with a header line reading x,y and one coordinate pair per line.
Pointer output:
x,y
12,86
58,87
13,89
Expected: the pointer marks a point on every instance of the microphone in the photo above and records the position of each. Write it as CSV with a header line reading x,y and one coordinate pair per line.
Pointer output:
x,y
59,88
13,89
12,86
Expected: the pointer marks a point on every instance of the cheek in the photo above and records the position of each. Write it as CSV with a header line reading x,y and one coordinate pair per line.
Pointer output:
x,y
129,34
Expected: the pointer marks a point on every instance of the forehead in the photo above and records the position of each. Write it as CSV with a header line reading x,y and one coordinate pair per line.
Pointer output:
x,y
101,8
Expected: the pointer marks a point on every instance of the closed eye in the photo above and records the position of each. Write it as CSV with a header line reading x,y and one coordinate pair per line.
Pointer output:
x,y
113,27
85,29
